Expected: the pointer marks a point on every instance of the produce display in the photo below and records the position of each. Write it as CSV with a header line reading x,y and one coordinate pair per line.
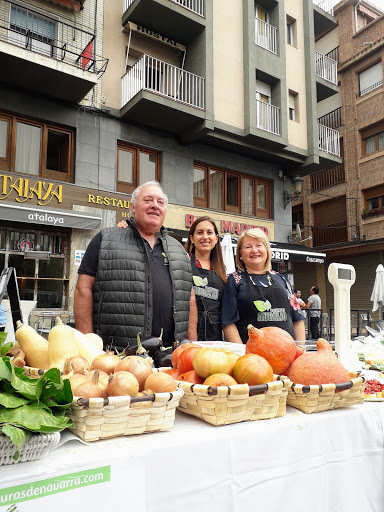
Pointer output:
x,y
30,406
373,389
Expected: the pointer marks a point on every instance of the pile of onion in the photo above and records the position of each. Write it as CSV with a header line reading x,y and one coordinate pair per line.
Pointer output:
x,y
139,367
105,362
160,382
91,388
122,384
76,364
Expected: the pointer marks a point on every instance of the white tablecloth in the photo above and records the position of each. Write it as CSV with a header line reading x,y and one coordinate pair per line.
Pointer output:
x,y
322,462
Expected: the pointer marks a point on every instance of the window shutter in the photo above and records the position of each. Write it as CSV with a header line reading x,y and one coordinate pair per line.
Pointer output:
x,y
263,88
370,77
291,101
131,61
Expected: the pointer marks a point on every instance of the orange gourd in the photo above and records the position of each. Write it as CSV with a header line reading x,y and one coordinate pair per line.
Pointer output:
x,y
321,367
274,344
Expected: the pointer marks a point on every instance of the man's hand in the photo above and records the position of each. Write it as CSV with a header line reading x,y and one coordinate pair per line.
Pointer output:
x,y
122,224
192,325
83,303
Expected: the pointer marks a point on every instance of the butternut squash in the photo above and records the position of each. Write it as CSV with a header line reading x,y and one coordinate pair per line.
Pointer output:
x,y
86,347
61,344
34,346
96,339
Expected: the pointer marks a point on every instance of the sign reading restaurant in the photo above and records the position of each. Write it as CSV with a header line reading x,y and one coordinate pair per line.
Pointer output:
x,y
227,226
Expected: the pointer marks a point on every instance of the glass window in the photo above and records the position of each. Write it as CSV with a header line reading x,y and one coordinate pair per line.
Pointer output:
x,y
261,197
380,138
3,138
125,166
232,190
199,185
53,267
247,197
17,236
373,203
28,149
216,190
23,267
49,294
26,288
369,145
147,167
289,33
57,151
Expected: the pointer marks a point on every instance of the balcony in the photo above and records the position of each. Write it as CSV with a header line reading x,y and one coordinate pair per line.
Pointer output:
x,y
328,140
267,117
323,16
330,234
326,76
265,35
328,178
332,119
179,19
45,55
162,95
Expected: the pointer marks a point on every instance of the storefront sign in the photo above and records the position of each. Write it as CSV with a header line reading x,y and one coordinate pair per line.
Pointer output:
x,y
26,189
227,226
307,255
108,201
155,35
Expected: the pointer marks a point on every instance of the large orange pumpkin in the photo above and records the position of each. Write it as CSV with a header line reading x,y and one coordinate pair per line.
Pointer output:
x,y
321,367
274,344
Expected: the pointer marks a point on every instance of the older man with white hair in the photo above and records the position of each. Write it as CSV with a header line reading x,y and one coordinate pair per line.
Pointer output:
x,y
137,279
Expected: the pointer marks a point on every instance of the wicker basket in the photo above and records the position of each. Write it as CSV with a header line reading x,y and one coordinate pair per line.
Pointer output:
x,y
33,372
224,405
99,418
36,448
328,396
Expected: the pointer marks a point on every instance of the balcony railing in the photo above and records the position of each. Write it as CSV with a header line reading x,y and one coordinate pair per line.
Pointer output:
x,y
267,117
328,178
332,119
329,140
325,5
196,6
334,54
330,234
50,37
326,68
371,88
265,35
154,75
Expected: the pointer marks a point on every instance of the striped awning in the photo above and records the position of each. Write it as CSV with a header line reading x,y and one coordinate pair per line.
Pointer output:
x,y
368,12
76,5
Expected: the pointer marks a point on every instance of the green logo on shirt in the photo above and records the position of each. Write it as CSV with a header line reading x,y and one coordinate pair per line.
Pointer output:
x,y
166,262
199,281
261,305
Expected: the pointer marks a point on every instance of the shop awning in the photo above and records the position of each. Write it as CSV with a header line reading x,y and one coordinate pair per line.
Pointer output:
x,y
296,252
48,217
75,5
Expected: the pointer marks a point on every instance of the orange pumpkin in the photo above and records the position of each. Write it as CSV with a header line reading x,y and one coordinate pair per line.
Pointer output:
x,y
321,367
274,344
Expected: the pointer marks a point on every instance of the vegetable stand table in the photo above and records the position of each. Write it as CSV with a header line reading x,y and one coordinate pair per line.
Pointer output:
x,y
322,462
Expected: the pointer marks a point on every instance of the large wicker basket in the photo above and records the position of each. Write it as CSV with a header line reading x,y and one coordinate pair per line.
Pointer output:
x,y
328,396
224,405
36,448
99,418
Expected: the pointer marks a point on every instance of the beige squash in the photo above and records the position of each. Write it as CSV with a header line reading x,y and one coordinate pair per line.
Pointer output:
x,y
34,346
61,344
96,339
86,347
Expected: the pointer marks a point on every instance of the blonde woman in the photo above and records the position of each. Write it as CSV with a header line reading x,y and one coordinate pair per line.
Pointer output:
x,y
256,295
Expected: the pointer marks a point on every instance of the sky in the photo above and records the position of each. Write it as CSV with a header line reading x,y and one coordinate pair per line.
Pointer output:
x,y
377,3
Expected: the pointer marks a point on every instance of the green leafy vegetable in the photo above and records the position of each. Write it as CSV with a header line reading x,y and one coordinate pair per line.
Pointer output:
x,y
29,405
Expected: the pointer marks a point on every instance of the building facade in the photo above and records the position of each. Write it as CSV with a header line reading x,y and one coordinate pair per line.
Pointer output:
x,y
218,100
342,208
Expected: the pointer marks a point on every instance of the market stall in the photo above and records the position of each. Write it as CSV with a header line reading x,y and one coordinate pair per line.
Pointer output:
x,y
326,461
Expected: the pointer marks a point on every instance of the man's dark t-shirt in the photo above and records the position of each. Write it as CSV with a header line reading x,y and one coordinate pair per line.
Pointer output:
x,y
162,296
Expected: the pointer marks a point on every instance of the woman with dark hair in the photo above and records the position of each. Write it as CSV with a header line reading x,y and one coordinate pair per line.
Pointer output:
x,y
209,276
256,295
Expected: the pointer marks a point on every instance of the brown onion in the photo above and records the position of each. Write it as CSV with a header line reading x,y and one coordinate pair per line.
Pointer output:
x,y
160,382
75,380
79,364
122,384
138,366
90,388
105,362
90,374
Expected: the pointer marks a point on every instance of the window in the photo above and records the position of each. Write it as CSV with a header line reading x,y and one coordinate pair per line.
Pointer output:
x,y
135,166
42,280
371,78
32,31
297,216
291,31
292,100
374,199
231,192
36,148
373,140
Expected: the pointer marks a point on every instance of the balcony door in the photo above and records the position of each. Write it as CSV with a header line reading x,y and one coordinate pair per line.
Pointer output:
x,y
262,18
263,99
30,30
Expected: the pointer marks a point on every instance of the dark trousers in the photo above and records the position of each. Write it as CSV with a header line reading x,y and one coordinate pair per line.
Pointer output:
x,y
314,327
2,328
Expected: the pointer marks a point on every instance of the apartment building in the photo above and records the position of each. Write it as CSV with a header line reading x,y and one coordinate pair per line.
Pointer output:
x,y
342,207
216,99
